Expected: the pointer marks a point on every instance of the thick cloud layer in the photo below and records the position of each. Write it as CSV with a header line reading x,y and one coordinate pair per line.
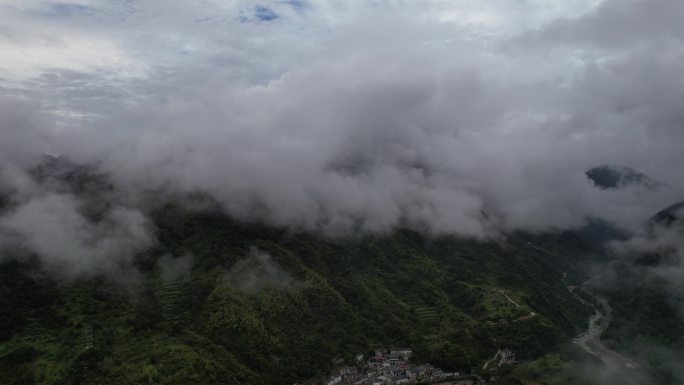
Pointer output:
x,y
451,119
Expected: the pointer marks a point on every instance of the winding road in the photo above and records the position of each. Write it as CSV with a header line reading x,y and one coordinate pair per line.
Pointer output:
x,y
521,318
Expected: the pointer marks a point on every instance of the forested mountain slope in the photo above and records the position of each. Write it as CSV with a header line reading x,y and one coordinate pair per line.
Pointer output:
x,y
223,302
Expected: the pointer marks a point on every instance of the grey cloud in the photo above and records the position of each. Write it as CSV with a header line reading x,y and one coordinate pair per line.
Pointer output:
x,y
620,24
24,131
258,272
355,146
400,123
51,227
662,249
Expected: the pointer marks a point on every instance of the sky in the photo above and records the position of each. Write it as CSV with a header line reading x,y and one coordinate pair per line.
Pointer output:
x,y
124,53
453,117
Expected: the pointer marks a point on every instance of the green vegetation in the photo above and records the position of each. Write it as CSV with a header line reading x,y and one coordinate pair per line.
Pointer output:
x,y
648,324
569,365
435,295
495,306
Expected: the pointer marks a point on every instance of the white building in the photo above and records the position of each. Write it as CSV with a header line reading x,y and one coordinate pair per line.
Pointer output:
x,y
507,357
404,352
334,379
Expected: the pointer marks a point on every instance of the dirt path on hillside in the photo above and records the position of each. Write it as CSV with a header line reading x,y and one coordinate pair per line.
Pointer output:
x,y
509,298
486,364
522,318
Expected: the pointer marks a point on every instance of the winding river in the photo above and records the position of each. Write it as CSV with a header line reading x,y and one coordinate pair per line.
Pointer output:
x,y
590,340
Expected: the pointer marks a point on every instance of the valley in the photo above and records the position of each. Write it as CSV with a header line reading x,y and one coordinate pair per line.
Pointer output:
x,y
590,340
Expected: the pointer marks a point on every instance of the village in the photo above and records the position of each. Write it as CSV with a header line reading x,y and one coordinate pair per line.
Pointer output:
x,y
393,367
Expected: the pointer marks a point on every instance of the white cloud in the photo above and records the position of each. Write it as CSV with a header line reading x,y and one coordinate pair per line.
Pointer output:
x,y
375,114
32,56
71,245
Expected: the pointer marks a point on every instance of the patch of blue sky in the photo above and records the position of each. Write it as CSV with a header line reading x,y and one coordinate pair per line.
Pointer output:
x,y
264,13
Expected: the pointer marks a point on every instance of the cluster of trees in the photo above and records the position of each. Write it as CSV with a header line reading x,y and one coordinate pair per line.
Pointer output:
x,y
350,295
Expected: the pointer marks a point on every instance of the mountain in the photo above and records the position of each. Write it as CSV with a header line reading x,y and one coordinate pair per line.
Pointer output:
x,y
443,297
669,215
612,177
218,301
648,300
642,285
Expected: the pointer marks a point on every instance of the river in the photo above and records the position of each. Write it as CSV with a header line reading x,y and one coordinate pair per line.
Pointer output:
x,y
590,340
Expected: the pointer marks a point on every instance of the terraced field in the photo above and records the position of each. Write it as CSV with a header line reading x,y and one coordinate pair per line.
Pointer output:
x,y
429,320
171,297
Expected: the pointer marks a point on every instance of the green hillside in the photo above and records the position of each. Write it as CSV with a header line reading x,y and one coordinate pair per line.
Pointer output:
x,y
345,296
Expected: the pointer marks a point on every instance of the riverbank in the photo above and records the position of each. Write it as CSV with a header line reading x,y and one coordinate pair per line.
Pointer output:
x,y
590,340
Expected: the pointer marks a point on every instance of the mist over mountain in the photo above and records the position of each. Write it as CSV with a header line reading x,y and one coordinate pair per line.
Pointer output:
x,y
369,135
669,215
647,275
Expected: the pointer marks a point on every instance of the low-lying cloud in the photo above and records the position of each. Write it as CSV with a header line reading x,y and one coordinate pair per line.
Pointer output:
x,y
71,235
657,254
389,120
70,244
258,272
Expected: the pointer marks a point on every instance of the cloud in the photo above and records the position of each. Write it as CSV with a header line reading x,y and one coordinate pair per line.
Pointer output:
x,y
258,272
24,133
70,245
380,116
656,255
264,13
621,24
355,145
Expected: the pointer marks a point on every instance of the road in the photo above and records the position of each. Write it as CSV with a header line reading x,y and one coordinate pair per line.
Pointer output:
x,y
522,318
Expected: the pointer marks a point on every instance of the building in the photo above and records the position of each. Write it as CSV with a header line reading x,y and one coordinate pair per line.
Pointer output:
x,y
394,360
350,374
419,372
403,352
396,372
391,367
376,361
507,357
334,379
440,374
349,371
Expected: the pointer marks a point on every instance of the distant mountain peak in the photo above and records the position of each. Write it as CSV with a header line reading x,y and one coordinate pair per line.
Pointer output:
x,y
615,177
669,215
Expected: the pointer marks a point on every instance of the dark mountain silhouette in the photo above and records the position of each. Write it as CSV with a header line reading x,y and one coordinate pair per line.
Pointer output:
x,y
612,177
